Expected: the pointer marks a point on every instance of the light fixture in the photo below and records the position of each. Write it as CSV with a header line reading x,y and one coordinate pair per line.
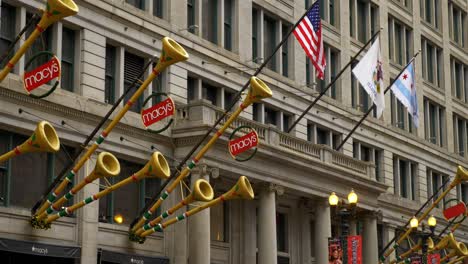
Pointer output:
x,y
118,218
432,222
352,198
333,199
414,222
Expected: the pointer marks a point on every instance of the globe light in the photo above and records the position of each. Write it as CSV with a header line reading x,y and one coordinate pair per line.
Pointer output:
x,y
414,222
352,198
118,218
432,221
333,199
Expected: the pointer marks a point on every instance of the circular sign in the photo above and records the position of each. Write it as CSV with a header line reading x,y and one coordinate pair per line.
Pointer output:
x,y
42,74
156,115
249,141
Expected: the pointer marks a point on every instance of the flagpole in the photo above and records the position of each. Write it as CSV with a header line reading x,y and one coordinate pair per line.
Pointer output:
x,y
373,106
322,93
225,113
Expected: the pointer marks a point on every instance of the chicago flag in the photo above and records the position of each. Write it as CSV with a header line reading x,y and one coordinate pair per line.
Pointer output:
x,y
405,91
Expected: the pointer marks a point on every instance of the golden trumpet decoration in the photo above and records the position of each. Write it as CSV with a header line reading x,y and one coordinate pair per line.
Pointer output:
x,y
417,247
461,176
457,260
202,192
44,139
107,165
156,167
55,11
171,53
258,91
241,190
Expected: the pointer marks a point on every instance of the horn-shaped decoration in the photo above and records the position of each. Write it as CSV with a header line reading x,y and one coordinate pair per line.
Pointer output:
x,y
156,167
202,192
242,190
459,251
417,247
172,52
457,260
446,242
461,176
258,91
44,139
107,165
55,11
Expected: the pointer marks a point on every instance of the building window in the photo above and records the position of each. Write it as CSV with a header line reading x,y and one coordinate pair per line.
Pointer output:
x,y
130,200
191,16
434,181
364,152
68,57
405,3
457,25
434,121
400,42
255,35
191,89
137,3
219,221
133,65
282,237
17,187
432,63
405,178
228,23
269,40
333,64
210,20
271,116
109,86
460,134
363,19
7,30
285,51
323,136
158,8
42,43
459,79
430,12
462,192
400,117
210,93
328,11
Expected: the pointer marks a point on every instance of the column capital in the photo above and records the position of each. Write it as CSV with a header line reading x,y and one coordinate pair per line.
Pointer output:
x,y
272,187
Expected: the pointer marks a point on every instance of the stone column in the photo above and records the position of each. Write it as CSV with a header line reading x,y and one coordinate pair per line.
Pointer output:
x,y
199,226
353,227
249,232
267,248
370,252
304,219
322,231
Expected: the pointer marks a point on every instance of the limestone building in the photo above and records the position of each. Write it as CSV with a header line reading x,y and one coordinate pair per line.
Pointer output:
x,y
392,164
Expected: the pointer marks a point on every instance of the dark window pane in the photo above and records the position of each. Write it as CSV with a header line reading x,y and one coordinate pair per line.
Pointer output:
x,y
126,200
7,30
210,20
158,8
68,56
228,24
133,67
109,92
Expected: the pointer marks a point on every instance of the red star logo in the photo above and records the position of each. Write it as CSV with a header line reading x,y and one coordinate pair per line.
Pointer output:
x,y
405,76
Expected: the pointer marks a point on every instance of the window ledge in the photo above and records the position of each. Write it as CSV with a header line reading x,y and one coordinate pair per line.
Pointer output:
x,y
433,87
432,28
408,10
459,101
459,47
331,27
396,65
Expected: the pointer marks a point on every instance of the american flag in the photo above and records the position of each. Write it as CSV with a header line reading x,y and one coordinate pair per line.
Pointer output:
x,y
309,34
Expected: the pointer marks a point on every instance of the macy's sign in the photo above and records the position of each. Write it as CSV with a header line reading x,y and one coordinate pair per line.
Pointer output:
x,y
157,112
42,74
244,143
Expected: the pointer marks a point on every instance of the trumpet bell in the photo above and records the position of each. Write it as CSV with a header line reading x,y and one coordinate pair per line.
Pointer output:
x,y
44,139
156,167
242,190
172,52
430,243
202,191
56,10
258,91
107,165
462,176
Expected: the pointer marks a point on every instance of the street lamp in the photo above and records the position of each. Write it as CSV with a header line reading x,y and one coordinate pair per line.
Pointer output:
x,y
432,222
414,223
118,218
344,212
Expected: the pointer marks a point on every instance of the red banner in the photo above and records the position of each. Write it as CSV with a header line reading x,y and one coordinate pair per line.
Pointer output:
x,y
42,74
455,211
244,143
433,258
157,112
354,250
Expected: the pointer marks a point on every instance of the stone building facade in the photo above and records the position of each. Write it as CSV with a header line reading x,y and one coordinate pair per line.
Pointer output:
x,y
392,164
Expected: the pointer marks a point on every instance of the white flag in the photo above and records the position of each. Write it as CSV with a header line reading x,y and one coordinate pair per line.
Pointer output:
x,y
369,74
